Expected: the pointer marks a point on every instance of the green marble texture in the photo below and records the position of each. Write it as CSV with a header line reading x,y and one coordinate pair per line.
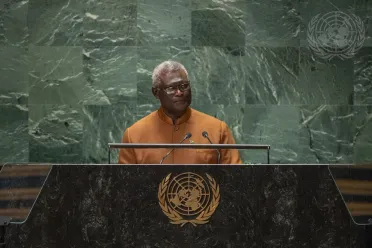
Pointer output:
x,y
218,23
14,133
14,88
109,22
55,133
273,23
104,124
55,22
75,74
362,77
56,75
103,72
163,23
13,28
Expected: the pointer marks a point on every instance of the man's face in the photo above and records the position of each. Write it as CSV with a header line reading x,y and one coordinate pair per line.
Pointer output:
x,y
174,93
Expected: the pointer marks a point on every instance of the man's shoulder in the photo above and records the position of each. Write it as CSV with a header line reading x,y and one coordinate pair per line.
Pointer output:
x,y
205,118
143,122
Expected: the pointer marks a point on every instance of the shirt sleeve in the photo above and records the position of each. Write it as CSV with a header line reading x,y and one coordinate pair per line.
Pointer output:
x,y
127,155
228,156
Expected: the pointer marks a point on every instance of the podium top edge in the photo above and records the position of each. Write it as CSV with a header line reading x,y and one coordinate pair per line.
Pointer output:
x,y
188,146
263,164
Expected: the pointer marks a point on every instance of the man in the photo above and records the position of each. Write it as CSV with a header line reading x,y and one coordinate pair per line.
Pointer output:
x,y
172,121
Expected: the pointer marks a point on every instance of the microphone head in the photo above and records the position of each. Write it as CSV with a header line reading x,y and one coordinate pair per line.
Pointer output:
x,y
188,135
205,134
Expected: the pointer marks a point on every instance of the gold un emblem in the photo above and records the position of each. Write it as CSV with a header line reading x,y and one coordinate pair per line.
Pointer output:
x,y
188,198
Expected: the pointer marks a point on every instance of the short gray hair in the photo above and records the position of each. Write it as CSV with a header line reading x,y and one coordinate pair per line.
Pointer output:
x,y
163,69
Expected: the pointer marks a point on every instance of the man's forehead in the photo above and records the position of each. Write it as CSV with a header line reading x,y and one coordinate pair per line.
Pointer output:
x,y
175,77
176,80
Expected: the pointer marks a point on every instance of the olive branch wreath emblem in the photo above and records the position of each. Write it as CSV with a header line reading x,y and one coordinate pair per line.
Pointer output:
x,y
323,51
175,217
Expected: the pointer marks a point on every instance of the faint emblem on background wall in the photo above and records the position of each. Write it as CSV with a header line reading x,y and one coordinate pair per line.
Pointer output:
x,y
188,198
335,34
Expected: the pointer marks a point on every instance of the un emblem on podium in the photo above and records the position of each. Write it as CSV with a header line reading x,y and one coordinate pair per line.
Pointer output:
x,y
188,198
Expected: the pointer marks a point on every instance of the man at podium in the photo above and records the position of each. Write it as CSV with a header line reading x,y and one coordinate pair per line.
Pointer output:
x,y
176,122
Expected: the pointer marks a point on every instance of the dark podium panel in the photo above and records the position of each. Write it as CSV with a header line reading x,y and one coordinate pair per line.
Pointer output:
x,y
209,205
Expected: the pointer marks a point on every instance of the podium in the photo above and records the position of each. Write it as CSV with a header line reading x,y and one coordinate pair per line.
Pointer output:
x,y
110,205
184,205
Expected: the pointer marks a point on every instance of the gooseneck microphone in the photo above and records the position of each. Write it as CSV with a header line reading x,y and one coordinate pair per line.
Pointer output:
x,y
187,136
205,135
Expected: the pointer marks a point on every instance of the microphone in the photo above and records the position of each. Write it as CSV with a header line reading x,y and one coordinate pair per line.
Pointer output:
x,y
205,135
187,136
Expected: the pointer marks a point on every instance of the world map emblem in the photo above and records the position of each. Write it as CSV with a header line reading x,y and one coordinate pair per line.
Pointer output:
x,y
188,198
335,34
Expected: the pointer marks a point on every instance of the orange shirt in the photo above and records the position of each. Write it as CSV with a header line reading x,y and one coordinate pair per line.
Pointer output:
x,y
158,128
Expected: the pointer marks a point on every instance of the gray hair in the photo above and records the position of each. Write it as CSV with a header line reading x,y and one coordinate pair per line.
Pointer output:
x,y
163,69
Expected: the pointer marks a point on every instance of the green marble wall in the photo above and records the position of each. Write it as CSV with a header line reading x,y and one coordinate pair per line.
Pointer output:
x,y
74,74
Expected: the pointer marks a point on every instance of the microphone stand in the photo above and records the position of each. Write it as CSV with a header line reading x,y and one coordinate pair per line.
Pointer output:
x,y
187,136
205,135
166,155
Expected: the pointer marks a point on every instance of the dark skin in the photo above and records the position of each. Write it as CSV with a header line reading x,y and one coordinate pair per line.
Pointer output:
x,y
174,105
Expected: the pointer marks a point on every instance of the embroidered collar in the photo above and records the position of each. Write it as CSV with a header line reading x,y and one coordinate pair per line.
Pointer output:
x,y
180,120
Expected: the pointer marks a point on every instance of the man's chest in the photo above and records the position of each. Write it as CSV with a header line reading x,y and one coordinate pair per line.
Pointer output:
x,y
177,133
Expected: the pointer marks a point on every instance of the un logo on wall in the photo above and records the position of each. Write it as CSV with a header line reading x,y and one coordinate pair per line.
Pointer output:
x,y
188,198
335,34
